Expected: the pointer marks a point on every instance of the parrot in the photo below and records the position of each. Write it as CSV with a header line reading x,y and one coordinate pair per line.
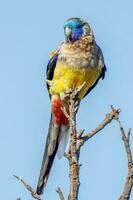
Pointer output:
x,y
76,61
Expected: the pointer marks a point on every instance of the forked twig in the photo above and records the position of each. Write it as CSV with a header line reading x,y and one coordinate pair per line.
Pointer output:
x,y
29,188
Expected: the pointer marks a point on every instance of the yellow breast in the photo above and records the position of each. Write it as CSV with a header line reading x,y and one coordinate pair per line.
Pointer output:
x,y
66,77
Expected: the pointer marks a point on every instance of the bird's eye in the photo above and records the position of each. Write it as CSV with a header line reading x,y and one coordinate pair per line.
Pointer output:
x,y
79,26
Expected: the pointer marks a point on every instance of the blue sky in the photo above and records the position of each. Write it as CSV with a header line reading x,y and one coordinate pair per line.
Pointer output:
x,y
29,30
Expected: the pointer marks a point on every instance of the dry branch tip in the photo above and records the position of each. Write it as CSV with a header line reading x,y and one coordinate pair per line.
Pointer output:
x,y
129,180
58,190
29,188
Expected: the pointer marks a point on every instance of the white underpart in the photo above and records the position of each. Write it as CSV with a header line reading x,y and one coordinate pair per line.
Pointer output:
x,y
63,141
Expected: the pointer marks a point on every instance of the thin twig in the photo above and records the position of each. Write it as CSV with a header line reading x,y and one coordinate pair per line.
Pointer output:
x,y
58,190
80,133
109,117
63,109
29,188
129,180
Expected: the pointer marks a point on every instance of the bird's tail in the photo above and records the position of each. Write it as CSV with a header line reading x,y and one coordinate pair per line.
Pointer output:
x,y
55,135
49,155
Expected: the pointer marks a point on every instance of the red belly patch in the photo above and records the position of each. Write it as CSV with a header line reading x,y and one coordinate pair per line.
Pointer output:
x,y
60,118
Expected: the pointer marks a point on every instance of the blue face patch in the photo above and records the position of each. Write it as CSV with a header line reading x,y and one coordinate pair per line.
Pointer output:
x,y
77,29
73,23
77,34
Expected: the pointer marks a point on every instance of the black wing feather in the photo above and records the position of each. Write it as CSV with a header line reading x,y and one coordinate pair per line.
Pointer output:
x,y
50,67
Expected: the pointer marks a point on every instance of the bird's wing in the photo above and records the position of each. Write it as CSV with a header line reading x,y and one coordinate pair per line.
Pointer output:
x,y
54,132
51,65
103,69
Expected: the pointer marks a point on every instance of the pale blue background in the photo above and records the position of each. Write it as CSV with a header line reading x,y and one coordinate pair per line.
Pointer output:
x,y
29,30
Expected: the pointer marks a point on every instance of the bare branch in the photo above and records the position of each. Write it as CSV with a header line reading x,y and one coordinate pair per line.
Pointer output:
x,y
29,188
77,140
126,142
129,180
74,154
109,117
60,193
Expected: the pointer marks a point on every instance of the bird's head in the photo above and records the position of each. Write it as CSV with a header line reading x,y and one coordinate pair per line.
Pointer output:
x,y
75,28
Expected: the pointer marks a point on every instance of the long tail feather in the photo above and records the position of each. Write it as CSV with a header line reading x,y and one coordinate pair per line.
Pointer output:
x,y
49,155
